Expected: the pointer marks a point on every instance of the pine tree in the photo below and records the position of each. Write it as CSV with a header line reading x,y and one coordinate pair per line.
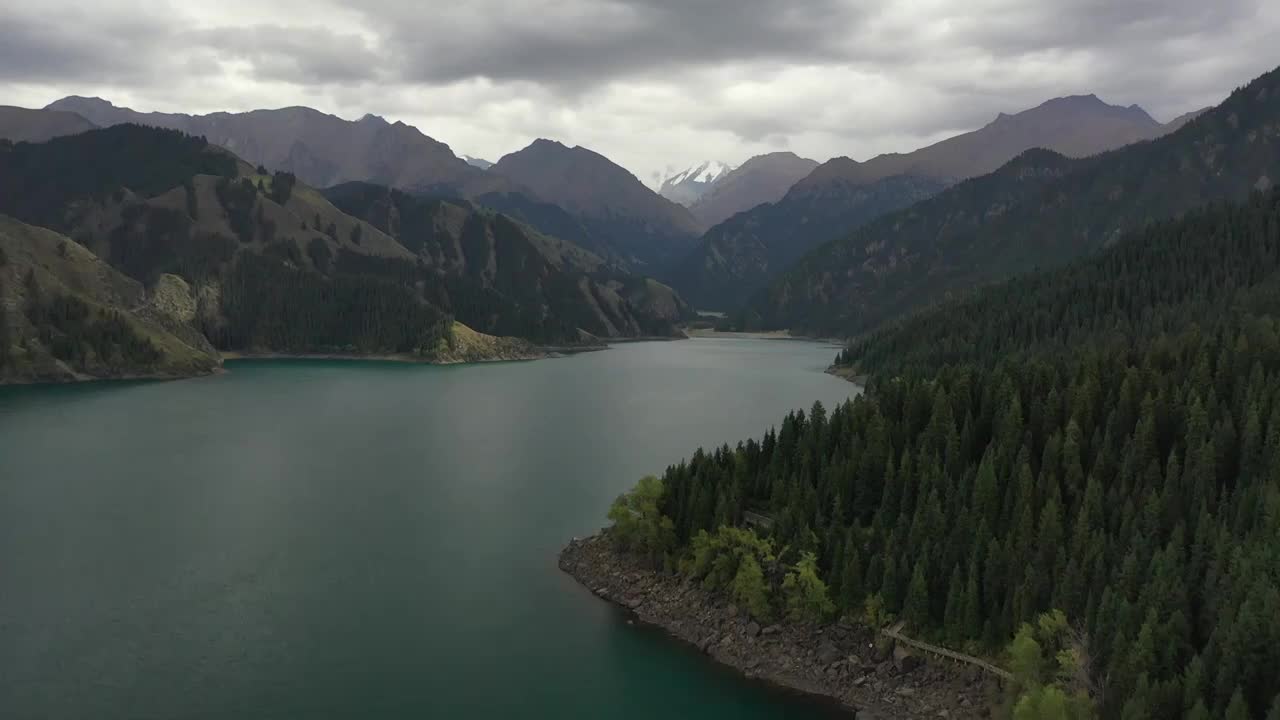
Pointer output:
x,y
953,614
1198,712
1237,709
916,611
852,591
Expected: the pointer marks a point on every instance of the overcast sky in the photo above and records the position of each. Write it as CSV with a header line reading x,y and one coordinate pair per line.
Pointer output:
x,y
650,83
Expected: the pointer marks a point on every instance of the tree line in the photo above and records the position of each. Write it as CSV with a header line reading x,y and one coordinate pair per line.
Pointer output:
x,y
1103,441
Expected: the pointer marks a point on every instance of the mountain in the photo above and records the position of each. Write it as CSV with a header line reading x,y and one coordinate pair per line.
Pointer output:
x,y
611,203
497,267
762,179
320,149
477,162
271,264
1150,284
24,125
323,150
67,315
688,185
1185,118
1075,126
1041,209
741,255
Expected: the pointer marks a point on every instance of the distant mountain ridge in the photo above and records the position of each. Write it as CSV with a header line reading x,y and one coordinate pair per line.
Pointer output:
x,y
742,254
611,213
612,203
26,125
1039,210
689,185
320,149
762,179
1075,126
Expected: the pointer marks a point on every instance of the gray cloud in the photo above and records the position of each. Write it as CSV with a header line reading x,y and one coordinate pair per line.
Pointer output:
x,y
649,83
302,55
576,43
43,46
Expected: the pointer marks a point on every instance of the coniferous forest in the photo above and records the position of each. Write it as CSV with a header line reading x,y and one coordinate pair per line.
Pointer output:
x,y
1111,454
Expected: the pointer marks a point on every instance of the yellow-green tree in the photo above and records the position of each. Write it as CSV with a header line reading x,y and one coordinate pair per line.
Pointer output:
x,y
638,524
805,593
1048,662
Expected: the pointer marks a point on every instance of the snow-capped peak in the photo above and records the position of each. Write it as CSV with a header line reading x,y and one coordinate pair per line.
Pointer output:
x,y
687,185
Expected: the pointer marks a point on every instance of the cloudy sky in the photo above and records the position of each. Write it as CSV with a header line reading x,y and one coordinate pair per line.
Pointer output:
x,y
650,83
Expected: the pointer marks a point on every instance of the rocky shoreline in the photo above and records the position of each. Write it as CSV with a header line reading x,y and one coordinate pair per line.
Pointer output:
x,y
842,661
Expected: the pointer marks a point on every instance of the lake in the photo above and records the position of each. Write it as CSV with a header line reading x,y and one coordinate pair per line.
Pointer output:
x,y
314,539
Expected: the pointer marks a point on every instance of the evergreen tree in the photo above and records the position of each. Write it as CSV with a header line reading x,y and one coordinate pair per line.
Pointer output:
x,y
916,611
1237,709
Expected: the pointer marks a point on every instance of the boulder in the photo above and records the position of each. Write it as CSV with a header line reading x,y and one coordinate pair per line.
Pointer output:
x,y
904,660
828,653
753,629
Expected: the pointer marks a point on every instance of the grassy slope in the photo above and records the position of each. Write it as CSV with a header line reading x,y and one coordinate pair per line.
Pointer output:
x,y
60,266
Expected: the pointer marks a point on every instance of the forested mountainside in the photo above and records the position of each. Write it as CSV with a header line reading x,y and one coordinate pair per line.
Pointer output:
x,y
1040,210
574,194
1156,282
741,255
273,266
613,206
67,315
531,285
1116,457
762,179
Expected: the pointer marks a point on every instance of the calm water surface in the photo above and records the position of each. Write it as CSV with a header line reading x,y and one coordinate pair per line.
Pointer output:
x,y
361,540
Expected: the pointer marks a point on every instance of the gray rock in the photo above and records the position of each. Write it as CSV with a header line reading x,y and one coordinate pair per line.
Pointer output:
x,y
771,630
903,660
828,653
753,629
